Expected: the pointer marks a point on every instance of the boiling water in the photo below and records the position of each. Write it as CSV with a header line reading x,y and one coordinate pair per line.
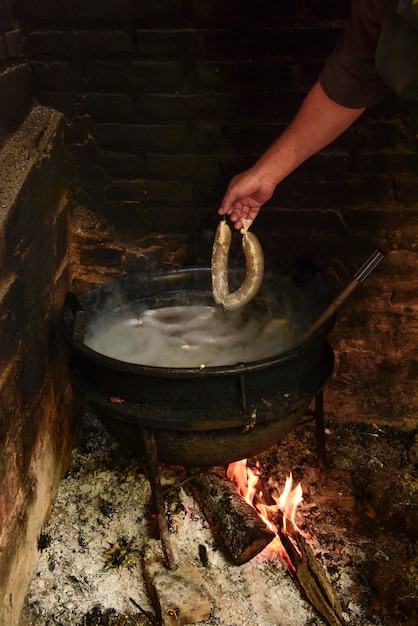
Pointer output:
x,y
191,336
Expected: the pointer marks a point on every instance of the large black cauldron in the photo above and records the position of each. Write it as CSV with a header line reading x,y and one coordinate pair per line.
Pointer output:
x,y
200,417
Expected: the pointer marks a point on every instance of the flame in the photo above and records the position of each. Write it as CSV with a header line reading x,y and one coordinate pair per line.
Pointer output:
x,y
289,501
269,507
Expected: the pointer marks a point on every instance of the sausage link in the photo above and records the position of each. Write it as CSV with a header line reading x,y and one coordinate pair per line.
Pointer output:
x,y
254,268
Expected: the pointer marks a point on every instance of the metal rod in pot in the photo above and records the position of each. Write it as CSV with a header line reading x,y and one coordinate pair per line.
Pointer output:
x,y
361,274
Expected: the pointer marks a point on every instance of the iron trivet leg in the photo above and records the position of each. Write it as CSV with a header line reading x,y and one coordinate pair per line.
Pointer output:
x,y
320,431
154,478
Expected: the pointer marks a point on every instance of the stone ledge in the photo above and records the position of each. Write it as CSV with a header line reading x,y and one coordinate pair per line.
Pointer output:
x,y
23,151
37,407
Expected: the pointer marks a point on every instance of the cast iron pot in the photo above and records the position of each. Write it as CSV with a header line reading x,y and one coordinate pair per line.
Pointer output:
x,y
200,416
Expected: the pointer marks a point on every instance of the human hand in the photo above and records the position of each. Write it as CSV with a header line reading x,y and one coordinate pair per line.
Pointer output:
x,y
244,197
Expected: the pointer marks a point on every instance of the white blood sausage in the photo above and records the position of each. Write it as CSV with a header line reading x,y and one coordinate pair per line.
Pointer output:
x,y
254,259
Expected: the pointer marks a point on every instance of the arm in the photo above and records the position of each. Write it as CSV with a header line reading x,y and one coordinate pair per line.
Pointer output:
x,y
318,122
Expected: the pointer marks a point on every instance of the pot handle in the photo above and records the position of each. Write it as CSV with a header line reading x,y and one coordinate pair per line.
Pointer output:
x,y
79,321
364,271
368,267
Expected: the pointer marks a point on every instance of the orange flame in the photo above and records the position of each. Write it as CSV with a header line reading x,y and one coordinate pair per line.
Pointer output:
x,y
290,500
247,482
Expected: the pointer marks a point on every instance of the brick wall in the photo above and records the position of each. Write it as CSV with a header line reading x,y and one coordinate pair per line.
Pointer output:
x,y
170,99
16,88
174,96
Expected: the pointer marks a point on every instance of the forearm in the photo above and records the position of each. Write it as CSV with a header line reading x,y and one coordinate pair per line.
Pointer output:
x,y
318,122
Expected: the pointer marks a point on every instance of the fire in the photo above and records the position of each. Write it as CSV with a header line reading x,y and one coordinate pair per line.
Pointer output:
x,y
272,510
289,501
288,545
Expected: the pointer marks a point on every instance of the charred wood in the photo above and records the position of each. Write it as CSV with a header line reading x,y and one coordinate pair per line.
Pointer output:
x,y
309,575
239,529
306,571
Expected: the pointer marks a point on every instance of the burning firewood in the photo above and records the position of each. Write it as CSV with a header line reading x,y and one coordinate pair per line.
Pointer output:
x,y
308,573
294,552
243,533
240,530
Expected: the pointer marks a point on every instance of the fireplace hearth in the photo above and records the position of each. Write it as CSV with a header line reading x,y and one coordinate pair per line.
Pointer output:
x,y
360,521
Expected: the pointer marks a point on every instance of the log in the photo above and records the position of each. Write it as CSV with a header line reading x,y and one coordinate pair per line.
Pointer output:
x,y
243,535
306,571
308,574
238,527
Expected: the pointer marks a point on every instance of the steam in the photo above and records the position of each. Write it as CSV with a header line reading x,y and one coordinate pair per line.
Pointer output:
x,y
151,324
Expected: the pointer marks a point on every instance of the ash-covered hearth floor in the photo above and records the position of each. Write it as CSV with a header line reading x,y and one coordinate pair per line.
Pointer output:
x,y
361,524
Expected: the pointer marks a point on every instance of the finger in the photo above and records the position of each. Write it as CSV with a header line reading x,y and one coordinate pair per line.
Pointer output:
x,y
230,208
226,208
235,218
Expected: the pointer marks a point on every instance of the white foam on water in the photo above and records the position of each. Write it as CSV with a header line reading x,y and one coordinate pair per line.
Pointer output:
x,y
191,336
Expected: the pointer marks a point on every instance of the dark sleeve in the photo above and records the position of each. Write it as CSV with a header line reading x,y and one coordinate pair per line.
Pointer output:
x,y
349,76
